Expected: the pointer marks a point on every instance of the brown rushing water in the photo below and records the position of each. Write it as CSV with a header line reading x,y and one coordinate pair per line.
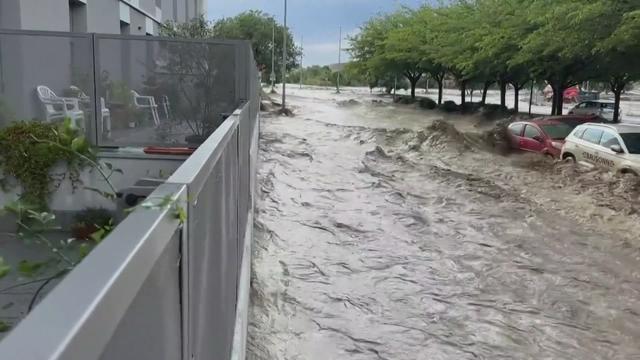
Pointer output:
x,y
382,243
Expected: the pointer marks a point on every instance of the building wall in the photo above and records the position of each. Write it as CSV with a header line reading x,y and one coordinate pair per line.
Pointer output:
x,y
101,16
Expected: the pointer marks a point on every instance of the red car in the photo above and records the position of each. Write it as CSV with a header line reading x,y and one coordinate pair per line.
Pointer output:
x,y
545,135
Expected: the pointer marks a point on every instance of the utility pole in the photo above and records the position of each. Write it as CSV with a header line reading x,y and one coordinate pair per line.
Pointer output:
x,y
301,59
284,58
272,77
339,61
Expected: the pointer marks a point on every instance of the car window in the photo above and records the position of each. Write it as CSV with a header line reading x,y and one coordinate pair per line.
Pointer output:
x,y
557,131
632,141
516,129
592,135
607,106
579,132
592,105
581,105
609,139
530,132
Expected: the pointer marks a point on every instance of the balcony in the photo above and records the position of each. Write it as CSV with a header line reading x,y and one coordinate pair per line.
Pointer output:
x,y
174,128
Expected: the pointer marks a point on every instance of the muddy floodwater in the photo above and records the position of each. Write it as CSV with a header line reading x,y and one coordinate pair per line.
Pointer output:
x,y
389,232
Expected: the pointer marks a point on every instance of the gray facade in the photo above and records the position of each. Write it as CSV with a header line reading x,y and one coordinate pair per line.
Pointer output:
x,y
135,17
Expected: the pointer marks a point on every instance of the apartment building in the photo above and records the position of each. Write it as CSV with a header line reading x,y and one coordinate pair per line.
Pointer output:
x,y
130,17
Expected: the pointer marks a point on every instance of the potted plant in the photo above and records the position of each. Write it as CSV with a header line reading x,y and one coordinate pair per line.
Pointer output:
x,y
89,221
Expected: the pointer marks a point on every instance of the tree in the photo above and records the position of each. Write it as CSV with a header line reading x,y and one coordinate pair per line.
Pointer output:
x,y
401,50
255,26
547,49
368,47
616,54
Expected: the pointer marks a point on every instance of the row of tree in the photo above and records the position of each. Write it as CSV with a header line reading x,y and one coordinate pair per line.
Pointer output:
x,y
487,42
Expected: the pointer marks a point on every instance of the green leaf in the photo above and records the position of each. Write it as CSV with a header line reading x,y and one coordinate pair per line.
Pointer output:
x,y
181,214
30,268
4,268
80,145
4,327
84,250
99,235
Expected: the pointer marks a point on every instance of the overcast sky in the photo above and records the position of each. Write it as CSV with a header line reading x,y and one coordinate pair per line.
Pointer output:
x,y
317,21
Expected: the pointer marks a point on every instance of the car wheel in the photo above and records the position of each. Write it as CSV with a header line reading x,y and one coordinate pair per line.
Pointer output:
x,y
628,172
569,158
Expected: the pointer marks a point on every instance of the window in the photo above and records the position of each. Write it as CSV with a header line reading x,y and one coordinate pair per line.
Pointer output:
x,y
557,131
592,105
516,129
530,132
579,132
632,141
77,16
581,105
609,139
592,135
607,106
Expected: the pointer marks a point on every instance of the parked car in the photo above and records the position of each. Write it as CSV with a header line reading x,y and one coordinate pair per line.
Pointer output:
x,y
615,147
544,135
601,108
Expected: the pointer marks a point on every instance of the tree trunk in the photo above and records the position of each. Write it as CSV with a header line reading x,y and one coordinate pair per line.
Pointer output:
x,y
414,83
485,89
553,103
516,104
616,110
503,93
463,92
440,91
558,97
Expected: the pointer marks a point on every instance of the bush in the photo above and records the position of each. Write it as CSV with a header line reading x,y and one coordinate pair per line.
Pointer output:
x,y
406,100
449,106
494,110
428,103
470,107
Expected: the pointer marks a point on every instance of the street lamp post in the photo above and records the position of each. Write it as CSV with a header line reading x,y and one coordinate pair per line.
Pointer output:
x,y
339,61
284,58
272,77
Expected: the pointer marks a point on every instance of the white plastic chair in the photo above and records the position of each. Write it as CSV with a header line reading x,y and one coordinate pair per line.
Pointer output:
x,y
105,118
146,102
58,108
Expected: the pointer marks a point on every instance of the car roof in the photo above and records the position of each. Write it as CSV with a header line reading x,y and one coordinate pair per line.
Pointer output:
x,y
599,101
620,128
560,119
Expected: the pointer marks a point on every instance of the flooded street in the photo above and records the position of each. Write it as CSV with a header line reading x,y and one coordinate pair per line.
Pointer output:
x,y
388,232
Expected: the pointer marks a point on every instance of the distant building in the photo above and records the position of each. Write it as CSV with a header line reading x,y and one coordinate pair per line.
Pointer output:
x,y
130,17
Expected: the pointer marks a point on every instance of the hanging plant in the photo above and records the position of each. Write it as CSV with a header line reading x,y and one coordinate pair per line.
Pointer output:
x,y
30,150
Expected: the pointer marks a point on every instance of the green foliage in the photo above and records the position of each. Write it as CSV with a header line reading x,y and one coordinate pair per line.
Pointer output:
x,y
30,268
255,26
94,216
4,268
29,150
4,327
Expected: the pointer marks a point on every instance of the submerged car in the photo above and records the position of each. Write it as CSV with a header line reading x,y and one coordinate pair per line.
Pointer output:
x,y
601,108
614,147
544,135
